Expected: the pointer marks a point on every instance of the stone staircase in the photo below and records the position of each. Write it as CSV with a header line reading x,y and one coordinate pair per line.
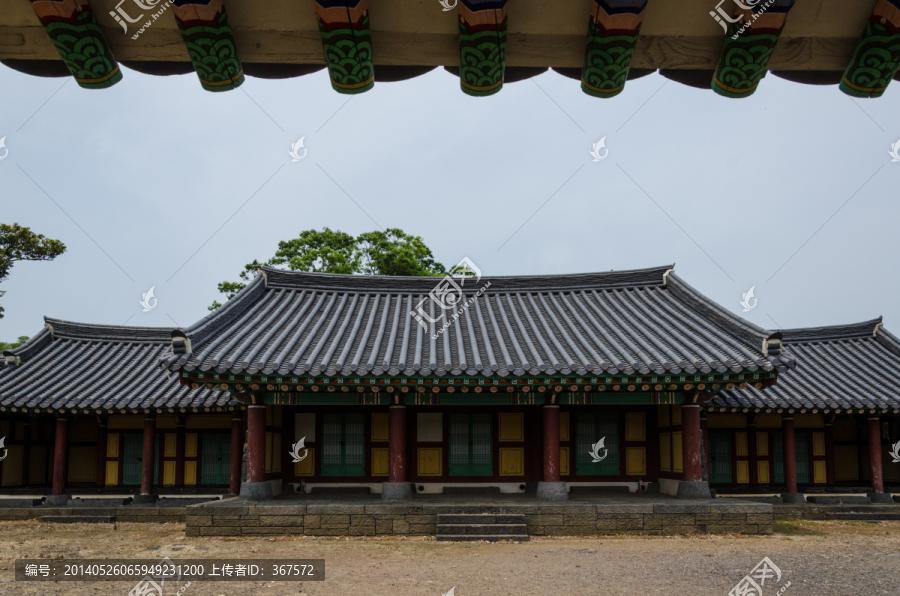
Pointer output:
x,y
471,527
866,516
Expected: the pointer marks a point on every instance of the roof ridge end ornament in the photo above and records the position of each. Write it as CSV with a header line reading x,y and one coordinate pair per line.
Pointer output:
x,y
877,325
265,277
50,327
181,343
666,275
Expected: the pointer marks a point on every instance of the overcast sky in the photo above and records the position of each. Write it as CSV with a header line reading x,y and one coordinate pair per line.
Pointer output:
x,y
155,182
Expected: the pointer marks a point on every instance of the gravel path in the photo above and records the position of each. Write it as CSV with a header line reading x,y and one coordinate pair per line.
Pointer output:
x,y
840,558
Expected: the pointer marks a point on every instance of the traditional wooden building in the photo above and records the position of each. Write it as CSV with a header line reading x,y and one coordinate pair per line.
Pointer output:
x,y
837,412
545,381
87,408
536,384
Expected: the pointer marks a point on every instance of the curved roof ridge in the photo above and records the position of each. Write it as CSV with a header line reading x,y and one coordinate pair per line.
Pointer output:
x,y
225,313
832,332
73,329
26,350
887,339
334,281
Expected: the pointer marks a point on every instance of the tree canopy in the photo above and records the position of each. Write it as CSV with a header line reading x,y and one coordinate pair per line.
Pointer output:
x,y
11,346
19,243
388,252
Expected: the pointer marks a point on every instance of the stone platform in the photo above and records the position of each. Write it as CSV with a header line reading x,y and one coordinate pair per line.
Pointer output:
x,y
367,515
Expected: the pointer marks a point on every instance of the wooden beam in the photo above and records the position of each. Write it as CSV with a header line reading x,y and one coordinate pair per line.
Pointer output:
x,y
611,40
73,30
347,43
876,58
482,46
207,35
750,42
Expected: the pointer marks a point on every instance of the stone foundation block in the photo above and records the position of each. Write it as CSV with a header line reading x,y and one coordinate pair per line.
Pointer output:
x,y
332,521
271,531
220,531
760,518
384,526
277,510
280,521
332,510
401,526
191,532
312,521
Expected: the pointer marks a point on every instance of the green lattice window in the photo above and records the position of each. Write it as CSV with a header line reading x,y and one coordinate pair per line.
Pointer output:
x,y
343,445
589,429
215,458
801,452
720,457
471,445
132,454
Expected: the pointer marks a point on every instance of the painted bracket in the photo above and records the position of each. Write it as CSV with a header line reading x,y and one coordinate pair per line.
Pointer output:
x,y
612,36
78,39
482,46
347,42
752,34
204,28
876,58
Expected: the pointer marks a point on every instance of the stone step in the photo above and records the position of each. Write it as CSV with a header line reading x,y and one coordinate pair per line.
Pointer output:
x,y
839,500
479,518
5,503
78,519
112,502
485,537
481,529
867,516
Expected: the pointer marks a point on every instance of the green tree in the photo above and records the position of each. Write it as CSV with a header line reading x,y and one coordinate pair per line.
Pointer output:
x,y
5,346
391,252
18,243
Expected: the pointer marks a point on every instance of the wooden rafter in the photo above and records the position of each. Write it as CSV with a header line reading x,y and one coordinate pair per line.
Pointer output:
x,y
876,58
482,46
347,43
612,37
207,35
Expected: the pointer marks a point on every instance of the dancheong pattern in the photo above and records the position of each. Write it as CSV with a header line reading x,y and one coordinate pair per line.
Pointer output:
x,y
612,36
347,43
876,59
206,33
482,46
74,31
748,47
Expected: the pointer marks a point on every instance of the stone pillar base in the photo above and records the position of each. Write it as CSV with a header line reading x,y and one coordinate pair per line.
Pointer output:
x,y
881,498
396,491
256,491
552,491
57,500
793,499
694,489
144,499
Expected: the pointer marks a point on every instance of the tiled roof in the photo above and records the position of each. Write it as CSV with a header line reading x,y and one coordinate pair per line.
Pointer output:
x,y
625,322
74,365
846,366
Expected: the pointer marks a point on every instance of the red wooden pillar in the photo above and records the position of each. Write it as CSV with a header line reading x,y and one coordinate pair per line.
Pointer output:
x,y
397,444
551,443
690,437
100,475
256,443
790,461
26,453
148,455
237,450
179,452
829,454
704,430
60,456
875,456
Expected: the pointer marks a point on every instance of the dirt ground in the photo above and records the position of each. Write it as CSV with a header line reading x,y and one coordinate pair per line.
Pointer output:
x,y
839,558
